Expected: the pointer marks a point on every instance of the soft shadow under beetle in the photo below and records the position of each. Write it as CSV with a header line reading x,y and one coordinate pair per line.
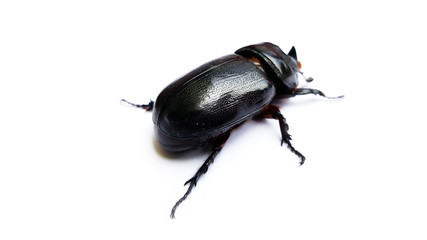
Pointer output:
x,y
204,106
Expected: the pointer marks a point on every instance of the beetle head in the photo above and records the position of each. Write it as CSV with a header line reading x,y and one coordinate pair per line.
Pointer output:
x,y
282,69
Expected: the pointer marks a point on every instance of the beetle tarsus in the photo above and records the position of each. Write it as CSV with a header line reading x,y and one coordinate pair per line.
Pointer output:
x,y
217,146
305,91
286,137
273,112
193,181
147,107
192,184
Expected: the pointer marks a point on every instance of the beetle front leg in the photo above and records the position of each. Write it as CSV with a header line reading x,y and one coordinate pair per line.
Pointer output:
x,y
273,112
147,107
218,144
305,91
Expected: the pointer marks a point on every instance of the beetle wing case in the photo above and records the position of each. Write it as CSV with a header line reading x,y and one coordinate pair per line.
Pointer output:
x,y
209,101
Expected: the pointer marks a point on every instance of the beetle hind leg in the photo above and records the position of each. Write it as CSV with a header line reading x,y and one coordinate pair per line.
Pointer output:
x,y
147,107
305,91
273,112
218,144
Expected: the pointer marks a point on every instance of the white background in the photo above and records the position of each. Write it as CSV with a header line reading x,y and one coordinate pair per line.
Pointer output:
x,y
77,164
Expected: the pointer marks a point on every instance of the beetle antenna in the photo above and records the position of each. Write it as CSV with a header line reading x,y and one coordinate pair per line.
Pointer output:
x,y
309,79
147,107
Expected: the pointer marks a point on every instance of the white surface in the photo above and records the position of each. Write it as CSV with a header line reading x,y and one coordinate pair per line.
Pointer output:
x,y
76,164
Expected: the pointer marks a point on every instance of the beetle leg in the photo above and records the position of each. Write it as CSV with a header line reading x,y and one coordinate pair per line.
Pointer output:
x,y
272,111
304,91
147,107
218,144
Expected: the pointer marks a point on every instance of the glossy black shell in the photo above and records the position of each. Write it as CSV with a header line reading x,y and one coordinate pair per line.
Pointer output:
x,y
280,68
210,100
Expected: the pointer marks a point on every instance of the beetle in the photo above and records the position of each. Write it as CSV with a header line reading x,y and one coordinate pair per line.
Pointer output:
x,y
205,105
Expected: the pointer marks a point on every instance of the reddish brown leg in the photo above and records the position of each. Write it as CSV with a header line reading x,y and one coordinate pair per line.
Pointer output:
x,y
272,111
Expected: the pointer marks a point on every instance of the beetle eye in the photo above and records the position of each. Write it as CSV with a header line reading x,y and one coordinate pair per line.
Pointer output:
x,y
299,65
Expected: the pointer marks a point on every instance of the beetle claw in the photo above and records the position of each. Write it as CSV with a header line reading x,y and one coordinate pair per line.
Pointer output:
x,y
302,161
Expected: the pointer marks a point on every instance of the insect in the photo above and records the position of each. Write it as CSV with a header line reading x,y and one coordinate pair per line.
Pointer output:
x,y
205,105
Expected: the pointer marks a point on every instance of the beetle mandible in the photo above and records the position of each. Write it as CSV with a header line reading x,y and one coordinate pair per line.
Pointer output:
x,y
205,105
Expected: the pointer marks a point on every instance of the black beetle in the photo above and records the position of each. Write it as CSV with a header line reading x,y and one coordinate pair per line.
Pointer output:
x,y
204,106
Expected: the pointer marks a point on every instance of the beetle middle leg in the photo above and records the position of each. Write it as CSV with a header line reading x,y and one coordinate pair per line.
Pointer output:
x,y
273,112
218,144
